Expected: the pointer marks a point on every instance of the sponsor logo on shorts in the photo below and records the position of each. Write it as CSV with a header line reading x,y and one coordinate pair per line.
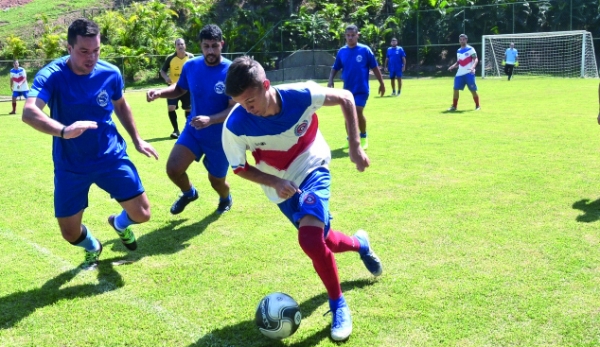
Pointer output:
x,y
310,199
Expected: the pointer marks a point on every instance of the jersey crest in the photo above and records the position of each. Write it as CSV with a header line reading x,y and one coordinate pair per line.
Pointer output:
x,y
102,98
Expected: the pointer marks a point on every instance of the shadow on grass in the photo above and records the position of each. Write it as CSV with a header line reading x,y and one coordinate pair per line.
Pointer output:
x,y
166,240
159,139
16,306
246,333
591,210
450,112
340,153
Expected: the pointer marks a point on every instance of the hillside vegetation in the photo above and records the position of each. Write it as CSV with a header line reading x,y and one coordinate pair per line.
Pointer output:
x,y
136,35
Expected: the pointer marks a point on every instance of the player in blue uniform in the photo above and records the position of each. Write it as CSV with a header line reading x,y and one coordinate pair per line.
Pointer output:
x,y
82,92
356,60
204,78
395,63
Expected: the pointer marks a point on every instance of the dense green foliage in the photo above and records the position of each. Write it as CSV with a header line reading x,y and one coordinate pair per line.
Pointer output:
x,y
269,29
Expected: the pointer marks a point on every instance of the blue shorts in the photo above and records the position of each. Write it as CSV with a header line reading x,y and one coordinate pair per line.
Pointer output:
x,y
214,160
361,99
314,199
23,93
395,74
468,80
120,179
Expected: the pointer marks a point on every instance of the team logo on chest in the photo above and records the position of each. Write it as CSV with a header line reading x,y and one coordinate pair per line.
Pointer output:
x,y
220,87
358,58
102,98
301,128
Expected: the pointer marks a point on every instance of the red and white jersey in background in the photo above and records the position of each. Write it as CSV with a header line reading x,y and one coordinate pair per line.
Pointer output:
x,y
465,57
18,78
288,145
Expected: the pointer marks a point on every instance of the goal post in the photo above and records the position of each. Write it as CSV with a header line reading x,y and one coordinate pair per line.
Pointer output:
x,y
558,54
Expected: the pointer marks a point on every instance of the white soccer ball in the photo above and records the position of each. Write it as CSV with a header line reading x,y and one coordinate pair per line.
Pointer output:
x,y
278,316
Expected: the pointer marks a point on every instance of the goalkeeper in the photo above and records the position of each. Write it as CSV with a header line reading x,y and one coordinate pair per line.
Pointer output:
x,y
510,60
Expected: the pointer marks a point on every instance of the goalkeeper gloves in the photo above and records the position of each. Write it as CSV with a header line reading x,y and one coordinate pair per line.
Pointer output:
x,y
503,63
517,64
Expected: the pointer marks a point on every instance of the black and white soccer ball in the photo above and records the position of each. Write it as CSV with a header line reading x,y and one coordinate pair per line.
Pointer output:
x,y
278,316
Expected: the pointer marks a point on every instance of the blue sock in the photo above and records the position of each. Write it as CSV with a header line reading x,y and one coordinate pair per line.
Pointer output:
x,y
190,192
87,240
363,135
122,221
335,304
393,91
399,91
228,198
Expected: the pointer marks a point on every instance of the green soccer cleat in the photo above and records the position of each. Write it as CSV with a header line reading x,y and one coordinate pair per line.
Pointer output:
x,y
127,237
91,258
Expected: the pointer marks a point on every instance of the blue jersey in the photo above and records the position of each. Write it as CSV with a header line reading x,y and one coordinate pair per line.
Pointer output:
x,y
355,63
72,98
395,55
206,85
511,55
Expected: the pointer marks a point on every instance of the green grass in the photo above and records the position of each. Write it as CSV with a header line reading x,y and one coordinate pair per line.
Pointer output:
x,y
486,223
20,20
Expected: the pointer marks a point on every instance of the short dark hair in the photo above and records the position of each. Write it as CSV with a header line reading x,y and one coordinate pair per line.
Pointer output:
x,y
243,73
352,27
211,32
82,27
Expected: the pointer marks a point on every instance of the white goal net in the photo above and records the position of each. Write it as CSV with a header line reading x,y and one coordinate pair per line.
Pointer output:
x,y
559,54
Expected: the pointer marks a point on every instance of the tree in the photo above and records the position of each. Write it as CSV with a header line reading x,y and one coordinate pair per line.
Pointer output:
x,y
16,47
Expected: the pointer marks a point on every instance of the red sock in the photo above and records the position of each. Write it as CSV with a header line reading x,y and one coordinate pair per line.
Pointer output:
x,y
476,99
312,243
339,242
454,103
14,105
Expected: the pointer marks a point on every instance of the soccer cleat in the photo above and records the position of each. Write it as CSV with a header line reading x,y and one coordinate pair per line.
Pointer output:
x,y
91,258
175,135
477,108
12,112
224,205
180,204
341,325
369,258
393,94
127,237
452,109
364,143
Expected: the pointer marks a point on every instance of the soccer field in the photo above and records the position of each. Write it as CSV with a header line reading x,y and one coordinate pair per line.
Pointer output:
x,y
486,222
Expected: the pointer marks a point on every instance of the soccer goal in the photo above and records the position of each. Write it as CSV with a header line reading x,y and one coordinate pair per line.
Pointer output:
x,y
559,54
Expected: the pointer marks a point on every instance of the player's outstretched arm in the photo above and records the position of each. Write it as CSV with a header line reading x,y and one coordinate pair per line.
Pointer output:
x,y
171,92
123,112
37,119
345,100
202,121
